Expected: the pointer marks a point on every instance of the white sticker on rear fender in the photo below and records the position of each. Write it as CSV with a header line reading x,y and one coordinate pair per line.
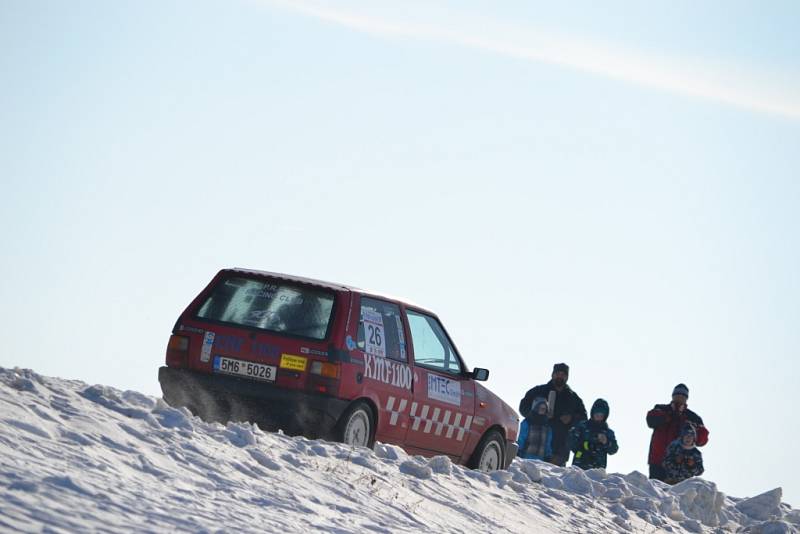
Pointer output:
x,y
208,343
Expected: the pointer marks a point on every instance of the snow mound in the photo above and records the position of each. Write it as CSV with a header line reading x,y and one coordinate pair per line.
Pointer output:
x,y
75,457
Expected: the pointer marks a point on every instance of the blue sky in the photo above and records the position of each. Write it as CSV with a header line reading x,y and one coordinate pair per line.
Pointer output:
x,y
612,186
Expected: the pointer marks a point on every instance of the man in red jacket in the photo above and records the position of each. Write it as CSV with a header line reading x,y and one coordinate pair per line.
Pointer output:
x,y
666,420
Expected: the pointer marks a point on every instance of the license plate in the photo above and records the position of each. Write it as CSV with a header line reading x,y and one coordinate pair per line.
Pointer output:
x,y
229,366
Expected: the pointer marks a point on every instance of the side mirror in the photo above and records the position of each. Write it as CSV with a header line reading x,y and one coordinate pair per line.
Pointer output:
x,y
480,374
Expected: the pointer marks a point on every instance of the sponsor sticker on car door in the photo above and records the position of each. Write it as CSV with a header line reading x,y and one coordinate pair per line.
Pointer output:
x,y
443,389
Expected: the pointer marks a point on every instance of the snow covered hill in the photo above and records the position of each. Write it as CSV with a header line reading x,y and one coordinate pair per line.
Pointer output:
x,y
76,458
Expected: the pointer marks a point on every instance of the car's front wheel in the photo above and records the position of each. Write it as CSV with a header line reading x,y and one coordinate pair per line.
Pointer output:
x,y
488,455
356,427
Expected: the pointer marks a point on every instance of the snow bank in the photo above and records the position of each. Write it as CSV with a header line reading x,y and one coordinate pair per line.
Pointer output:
x,y
81,458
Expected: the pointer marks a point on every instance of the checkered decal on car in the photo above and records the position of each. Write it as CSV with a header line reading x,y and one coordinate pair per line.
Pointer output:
x,y
395,413
436,423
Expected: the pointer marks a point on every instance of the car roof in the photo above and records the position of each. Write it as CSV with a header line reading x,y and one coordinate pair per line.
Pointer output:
x,y
293,278
325,285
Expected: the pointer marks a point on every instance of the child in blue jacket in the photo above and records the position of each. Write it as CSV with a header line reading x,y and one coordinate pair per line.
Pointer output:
x,y
592,440
535,439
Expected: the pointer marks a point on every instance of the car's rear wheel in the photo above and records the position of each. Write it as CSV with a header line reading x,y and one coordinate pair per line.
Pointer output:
x,y
357,426
488,455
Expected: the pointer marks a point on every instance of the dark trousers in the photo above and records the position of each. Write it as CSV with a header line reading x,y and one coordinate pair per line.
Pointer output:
x,y
560,449
657,472
560,454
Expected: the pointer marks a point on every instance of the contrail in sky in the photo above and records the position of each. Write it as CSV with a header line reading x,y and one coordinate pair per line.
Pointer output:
x,y
677,75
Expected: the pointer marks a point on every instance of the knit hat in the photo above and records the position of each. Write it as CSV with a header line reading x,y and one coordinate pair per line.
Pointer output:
x,y
688,429
561,367
538,401
600,406
681,389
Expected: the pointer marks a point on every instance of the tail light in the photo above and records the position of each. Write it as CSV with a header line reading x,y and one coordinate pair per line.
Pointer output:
x,y
323,377
177,351
328,370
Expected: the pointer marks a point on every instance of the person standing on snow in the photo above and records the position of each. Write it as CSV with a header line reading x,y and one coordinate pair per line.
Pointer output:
x,y
566,409
667,420
592,441
683,460
535,439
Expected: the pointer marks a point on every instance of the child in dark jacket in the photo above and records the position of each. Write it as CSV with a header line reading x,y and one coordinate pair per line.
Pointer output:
x,y
592,440
683,459
535,439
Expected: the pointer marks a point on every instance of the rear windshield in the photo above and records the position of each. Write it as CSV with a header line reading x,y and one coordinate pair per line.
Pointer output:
x,y
270,305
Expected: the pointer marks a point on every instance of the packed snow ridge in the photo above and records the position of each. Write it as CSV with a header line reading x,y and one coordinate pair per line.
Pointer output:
x,y
77,458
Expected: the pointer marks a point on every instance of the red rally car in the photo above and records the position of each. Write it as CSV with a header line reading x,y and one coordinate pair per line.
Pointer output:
x,y
330,361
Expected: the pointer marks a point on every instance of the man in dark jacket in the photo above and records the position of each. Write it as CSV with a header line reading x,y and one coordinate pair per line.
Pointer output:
x,y
667,420
566,409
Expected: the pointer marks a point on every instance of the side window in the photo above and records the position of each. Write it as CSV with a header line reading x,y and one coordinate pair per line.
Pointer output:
x,y
431,347
380,330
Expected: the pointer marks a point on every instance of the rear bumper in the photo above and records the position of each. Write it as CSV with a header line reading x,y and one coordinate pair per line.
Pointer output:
x,y
227,398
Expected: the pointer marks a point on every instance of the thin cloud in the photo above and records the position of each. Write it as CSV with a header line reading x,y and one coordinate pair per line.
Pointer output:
x,y
683,76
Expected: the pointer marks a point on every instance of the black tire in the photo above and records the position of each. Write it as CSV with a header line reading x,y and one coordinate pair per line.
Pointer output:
x,y
357,426
490,453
